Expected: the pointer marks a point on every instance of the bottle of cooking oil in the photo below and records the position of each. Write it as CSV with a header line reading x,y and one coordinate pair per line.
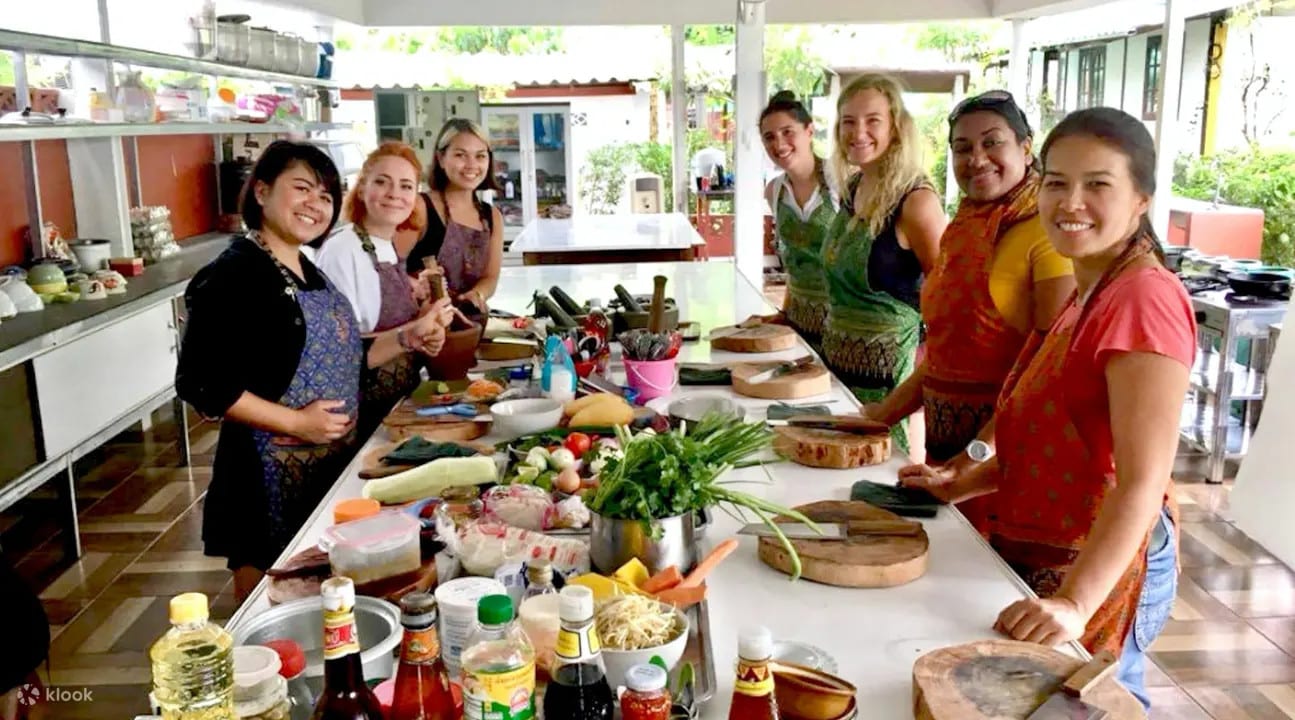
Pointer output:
x,y
193,664
498,665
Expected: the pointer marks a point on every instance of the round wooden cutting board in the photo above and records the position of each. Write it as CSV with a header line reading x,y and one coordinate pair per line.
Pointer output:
x,y
862,562
799,383
999,679
758,339
831,449
439,431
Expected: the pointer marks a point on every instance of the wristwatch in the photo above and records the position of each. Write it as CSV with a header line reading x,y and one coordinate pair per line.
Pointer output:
x,y
979,450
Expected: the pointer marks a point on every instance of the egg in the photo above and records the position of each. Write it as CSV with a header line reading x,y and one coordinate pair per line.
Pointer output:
x,y
568,481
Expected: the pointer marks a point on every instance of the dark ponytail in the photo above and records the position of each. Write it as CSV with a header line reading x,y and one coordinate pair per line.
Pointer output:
x,y
785,101
1127,135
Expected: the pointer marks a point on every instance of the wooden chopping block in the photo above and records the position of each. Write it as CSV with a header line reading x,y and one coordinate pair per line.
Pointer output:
x,y
1004,679
831,449
439,432
801,382
758,339
870,561
499,351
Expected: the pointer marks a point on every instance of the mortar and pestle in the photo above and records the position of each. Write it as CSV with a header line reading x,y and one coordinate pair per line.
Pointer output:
x,y
635,312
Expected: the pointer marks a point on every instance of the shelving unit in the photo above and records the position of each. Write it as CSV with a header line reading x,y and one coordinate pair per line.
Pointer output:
x,y
74,131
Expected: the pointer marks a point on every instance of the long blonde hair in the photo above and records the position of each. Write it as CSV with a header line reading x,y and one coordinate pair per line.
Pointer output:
x,y
898,170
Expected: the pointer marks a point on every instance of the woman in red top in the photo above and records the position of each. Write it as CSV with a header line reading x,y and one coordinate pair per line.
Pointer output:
x,y
1087,429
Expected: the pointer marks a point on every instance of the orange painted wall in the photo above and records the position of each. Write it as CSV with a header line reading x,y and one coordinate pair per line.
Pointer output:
x,y
178,171
55,196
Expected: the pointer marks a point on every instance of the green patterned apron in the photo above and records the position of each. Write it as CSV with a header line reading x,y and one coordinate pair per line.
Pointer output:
x,y
800,243
870,338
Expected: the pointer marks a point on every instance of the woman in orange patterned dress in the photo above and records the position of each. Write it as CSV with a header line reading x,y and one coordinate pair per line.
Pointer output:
x,y
1087,428
997,280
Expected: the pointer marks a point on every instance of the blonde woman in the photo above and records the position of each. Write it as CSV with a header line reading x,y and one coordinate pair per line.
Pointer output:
x,y
884,239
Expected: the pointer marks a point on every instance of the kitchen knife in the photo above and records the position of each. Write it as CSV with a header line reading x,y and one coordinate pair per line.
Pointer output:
x,y
835,531
839,423
781,369
747,324
1066,702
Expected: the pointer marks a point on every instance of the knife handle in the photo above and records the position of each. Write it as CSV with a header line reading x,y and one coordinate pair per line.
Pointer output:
x,y
882,527
1102,664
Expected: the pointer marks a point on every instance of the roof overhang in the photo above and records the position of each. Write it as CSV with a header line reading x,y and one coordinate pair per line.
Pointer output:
x,y
913,79
424,13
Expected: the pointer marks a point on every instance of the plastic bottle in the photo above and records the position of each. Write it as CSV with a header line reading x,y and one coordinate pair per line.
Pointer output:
x,y
193,664
498,665
559,375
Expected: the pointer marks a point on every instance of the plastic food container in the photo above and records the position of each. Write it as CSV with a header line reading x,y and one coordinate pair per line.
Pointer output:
x,y
260,693
540,619
373,548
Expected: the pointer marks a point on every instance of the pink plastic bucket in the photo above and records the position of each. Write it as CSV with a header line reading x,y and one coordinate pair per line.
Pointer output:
x,y
652,378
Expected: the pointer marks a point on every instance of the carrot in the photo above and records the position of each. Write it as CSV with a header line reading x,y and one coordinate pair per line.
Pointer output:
x,y
663,580
682,597
708,564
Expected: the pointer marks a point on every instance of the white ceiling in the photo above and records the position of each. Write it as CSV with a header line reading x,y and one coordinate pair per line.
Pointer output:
x,y
419,13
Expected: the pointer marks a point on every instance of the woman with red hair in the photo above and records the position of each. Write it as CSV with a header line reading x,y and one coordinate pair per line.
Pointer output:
x,y
362,263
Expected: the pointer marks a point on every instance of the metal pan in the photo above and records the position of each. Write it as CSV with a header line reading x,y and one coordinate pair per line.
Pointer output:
x,y
1260,284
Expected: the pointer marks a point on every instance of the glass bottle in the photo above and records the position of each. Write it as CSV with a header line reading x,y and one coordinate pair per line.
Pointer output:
x,y
193,664
345,695
422,689
539,579
645,696
498,665
579,689
753,697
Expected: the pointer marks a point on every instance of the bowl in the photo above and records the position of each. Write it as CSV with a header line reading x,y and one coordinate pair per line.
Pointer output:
x,y
458,355
91,254
515,418
692,409
810,694
47,278
376,621
619,662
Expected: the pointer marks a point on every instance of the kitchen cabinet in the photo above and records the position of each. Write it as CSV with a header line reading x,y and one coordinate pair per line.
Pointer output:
x,y
87,384
416,117
532,151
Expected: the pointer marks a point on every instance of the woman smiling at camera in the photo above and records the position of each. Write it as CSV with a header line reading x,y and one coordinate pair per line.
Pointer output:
x,y
399,331
885,237
998,280
1087,429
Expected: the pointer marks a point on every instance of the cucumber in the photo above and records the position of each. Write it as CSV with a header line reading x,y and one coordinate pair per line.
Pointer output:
x,y
430,479
565,301
628,302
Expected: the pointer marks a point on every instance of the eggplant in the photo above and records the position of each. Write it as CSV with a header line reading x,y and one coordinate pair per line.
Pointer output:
x,y
628,302
565,302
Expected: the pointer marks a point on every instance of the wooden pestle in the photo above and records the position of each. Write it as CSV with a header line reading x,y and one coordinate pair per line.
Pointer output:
x,y
656,321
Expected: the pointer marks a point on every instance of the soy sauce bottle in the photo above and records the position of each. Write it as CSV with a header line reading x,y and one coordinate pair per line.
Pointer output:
x,y
578,689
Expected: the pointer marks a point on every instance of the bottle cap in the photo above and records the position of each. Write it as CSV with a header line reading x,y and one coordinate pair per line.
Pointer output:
x,y
254,664
539,572
418,608
576,603
188,608
645,678
755,643
292,659
338,593
495,610
355,509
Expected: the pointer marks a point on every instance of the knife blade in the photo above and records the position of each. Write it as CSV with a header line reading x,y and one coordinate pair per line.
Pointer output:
x,y
835,531
780,369
1066,702
840,423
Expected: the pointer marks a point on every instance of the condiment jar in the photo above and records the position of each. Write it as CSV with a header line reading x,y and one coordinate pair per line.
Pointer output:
x,y
292,668
645,696
260,693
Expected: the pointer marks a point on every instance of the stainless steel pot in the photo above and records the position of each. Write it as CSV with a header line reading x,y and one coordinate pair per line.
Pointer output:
x,y
260,48
287,56
376,621
308,57
614,542
232,43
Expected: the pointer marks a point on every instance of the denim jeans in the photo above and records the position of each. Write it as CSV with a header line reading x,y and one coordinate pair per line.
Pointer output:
x,y
1158,592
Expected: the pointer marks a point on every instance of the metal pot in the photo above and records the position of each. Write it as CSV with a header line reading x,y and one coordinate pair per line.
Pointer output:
x,y
307,58
287,56
1260,284
614,542
376,621
260,48
233,43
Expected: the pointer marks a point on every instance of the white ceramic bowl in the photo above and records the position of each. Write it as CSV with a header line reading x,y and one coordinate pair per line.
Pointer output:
x,y
514,418
619,662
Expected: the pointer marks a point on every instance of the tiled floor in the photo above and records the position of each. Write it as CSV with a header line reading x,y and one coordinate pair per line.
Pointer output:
x,y
1228,653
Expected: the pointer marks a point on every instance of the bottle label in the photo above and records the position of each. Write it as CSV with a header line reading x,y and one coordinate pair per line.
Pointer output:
x,y
421,647
753,680
577,645
507,695
340,639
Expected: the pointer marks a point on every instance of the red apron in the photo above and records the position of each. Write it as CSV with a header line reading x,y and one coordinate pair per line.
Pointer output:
x,y
970,348
1052,486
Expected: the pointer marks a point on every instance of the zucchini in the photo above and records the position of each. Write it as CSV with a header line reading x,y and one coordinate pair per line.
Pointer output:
x,y
431,479
566,302
628,301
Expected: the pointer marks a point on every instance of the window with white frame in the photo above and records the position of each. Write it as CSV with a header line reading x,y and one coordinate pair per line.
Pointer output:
x,y
1092,77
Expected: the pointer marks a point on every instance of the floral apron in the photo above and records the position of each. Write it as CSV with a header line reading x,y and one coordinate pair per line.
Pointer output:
x,y
297,474
1052,488
384,386
970,348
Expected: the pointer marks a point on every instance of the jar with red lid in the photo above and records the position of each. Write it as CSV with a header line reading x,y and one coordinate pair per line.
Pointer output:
x,y
645,696
292,667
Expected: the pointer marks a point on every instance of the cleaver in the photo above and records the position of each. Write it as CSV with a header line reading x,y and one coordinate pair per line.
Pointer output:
x,y
1066,703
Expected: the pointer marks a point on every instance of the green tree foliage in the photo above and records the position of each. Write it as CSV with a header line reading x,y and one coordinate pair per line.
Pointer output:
x,y
710,34
466,40
957,42
1250,177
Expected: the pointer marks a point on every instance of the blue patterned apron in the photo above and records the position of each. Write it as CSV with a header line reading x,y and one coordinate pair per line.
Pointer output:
x,y
297,474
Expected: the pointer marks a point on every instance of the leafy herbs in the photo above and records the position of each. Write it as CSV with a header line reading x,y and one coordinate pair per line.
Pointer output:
x,y
669,474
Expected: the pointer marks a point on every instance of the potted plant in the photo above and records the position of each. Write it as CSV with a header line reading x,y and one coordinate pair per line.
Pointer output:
x,y
648,495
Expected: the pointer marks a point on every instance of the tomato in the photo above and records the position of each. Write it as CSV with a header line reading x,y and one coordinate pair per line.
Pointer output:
x,y
578,443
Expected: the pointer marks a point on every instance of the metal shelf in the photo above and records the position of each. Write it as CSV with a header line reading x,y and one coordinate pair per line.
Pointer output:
x,y
70,47
1247,383
1196,423
69,131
